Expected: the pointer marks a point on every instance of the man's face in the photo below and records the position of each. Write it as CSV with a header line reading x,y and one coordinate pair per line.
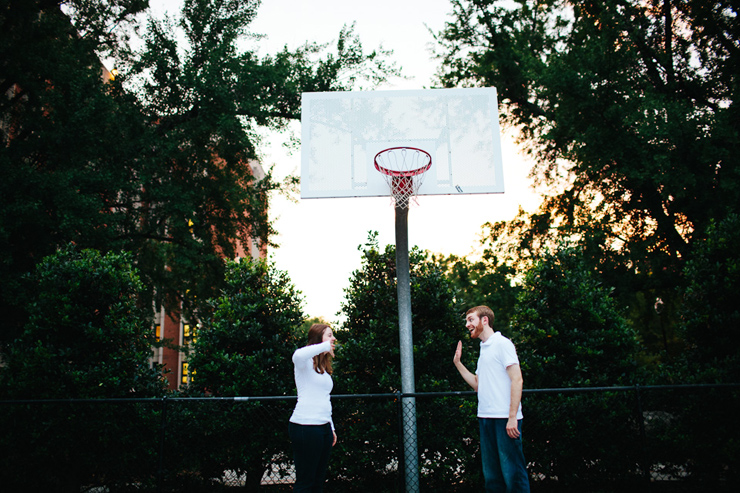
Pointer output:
x,y
474,325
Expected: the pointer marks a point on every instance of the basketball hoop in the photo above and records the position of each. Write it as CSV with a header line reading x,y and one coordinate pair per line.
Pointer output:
x,y
403,169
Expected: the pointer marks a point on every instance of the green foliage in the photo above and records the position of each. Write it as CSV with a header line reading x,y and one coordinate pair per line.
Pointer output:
x,y
582,442
711,305
567,329
640,104
484,282
205,99
72,446
301,333
244,348
159,161
65,142
628,108
86,336
369,355
569,333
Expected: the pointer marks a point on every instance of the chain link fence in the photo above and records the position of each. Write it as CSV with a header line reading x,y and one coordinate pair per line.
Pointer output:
x,y
670,438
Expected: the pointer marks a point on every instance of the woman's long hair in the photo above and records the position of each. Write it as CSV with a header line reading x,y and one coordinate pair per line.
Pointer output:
x,y
322,362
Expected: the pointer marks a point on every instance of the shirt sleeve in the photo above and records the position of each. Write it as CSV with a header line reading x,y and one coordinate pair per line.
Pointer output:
x,y
307,352
508,354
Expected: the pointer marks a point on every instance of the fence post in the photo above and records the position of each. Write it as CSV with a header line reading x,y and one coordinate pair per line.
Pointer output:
x,y
162,435
643,436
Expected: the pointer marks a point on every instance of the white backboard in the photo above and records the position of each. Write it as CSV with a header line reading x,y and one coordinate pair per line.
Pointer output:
x,y
343,131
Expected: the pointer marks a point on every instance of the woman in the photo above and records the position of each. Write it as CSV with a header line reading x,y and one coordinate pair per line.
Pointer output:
x,y
311,426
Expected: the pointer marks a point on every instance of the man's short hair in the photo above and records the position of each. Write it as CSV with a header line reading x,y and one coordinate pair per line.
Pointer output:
x,y
482,311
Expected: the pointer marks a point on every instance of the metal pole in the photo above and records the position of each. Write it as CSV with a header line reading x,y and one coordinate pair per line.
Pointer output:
x,y
645,466
162,435
410,451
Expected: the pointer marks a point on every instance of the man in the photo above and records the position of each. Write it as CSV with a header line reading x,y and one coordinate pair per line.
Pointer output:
x,y
498,381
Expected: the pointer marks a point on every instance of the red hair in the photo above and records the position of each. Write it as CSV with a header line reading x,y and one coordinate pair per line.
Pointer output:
x,y
322,362
482,311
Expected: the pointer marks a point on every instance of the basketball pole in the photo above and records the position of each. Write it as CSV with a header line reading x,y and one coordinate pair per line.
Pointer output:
x,y
408,404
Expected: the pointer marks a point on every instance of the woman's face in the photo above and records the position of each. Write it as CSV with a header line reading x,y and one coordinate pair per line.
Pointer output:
x,y
329,336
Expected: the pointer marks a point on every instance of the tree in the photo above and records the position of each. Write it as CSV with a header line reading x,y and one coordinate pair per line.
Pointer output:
x,y
714,277
156,161
86,338
368,361
65,141
244,349
487,281
629,109
569,333
205,103
370,358
301,333
520,243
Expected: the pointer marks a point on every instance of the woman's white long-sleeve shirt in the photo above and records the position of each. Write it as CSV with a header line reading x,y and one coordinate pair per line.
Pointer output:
x,y
314,404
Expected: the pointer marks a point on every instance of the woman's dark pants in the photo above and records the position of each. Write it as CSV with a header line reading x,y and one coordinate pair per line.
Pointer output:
x,y
311,448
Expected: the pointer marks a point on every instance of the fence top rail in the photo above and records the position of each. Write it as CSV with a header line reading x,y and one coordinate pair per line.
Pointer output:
x,y
583,390
395,395
194,399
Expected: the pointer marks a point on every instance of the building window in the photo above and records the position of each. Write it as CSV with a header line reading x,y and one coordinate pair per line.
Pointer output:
x,y
189,334
187,375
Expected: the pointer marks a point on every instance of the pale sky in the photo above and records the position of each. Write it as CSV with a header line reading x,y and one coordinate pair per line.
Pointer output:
x,y
319,238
